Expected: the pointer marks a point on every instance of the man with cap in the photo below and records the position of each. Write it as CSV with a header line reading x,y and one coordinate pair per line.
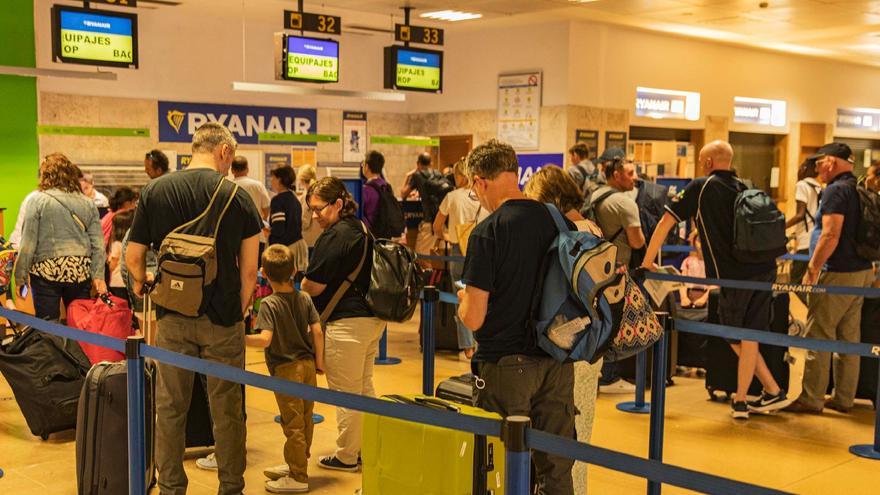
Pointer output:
x,y
834,261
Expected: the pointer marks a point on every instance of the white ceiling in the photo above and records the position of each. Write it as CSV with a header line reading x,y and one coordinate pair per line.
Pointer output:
x,y
841,29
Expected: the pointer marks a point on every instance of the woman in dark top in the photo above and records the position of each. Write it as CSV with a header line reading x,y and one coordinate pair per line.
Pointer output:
x,y
343,252
285,217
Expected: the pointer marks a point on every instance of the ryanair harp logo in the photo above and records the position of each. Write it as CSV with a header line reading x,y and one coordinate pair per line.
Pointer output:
x,y
175,119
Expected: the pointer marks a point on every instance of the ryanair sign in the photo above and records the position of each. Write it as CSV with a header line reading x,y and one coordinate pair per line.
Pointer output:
x,y
178,121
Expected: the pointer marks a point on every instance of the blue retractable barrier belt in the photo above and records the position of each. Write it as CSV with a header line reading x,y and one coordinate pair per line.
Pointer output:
x,y
618,461
665,249
769,286
777,339
63,331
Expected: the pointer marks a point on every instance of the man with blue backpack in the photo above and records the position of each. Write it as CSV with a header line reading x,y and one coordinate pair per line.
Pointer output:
x,y
503,265
742,232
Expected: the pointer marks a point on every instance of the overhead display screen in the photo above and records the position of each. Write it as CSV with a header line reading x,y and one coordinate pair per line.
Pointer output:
x,y
667,104
94,37
311,60
413,69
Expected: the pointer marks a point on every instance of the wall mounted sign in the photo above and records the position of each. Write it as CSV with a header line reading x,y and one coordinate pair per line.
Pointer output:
x,y
667,104
590,138
867,119
759,111
406,140
519,109
354,136
531,163
93,131
615,139
178,121
183,161
316,23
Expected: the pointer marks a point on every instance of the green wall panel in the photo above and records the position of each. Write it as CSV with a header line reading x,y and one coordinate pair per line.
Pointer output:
x,y
19,149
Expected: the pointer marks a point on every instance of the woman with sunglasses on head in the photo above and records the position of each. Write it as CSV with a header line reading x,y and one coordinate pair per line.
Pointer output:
x,y
338,278
62,247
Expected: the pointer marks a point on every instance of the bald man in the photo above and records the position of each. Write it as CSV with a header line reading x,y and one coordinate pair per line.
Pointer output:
x,y
710,201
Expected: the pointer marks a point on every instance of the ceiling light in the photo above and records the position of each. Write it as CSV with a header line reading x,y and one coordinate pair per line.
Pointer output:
x,y
451,15
583,1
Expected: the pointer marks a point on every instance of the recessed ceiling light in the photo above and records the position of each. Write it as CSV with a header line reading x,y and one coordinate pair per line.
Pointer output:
x,y
583,1
451,15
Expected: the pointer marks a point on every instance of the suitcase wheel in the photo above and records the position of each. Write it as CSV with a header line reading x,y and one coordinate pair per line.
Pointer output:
x,y
44,436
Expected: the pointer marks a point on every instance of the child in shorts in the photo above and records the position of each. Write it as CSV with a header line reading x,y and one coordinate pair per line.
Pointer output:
x,y
291,334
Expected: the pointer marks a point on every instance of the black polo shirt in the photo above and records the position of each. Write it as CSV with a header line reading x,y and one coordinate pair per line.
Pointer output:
x,y
841,197
712,208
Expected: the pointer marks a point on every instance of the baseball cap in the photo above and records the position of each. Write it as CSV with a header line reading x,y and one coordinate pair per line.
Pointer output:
x,y
612,153
837,150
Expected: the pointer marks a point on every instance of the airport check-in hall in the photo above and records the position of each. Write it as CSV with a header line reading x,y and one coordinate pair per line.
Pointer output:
x,y
439,247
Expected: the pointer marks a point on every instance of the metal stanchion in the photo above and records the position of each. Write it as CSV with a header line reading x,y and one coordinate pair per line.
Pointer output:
x,y
137,464
638,406
383,359
658,398
869,451
517,455
429,301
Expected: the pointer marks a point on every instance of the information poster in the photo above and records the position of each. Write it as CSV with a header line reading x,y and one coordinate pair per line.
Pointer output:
x,y
590,138
273,161
183,161
354,136
519,109
615,139
531,163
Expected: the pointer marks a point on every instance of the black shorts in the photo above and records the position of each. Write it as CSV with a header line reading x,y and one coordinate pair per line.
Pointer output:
x,y
746,308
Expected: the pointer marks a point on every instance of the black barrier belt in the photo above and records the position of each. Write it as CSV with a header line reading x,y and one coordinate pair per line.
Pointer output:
x,y
542,441
868,292
645,468
778,339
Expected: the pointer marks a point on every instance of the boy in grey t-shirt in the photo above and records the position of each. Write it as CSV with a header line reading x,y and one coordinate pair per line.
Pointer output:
x,y
291,334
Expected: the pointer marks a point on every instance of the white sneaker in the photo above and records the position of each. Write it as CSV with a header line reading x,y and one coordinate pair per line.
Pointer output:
x,y
207,463
621,386
286,484
276,472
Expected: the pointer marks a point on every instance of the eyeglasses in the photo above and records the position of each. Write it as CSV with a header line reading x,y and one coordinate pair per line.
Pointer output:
x,y
319,210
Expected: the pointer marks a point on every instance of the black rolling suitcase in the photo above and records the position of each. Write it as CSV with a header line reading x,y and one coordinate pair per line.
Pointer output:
x,y
691,348
46,375
102,430
445,327
721,362
867,387
458,389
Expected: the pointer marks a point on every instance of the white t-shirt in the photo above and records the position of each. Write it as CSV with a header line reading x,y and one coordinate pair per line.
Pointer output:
x,y
460,208
116,275
100,200
806,191
258,193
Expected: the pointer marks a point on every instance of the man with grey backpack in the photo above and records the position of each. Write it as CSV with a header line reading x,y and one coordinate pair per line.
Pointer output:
x,y
742,232
206,231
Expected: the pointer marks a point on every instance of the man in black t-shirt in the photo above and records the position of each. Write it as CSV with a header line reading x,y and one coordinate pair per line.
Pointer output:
x,y
710,201
834,261
218,335
501,269
418,180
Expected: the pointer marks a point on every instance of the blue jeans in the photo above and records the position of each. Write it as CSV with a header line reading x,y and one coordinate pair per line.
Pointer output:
x,y
465,336
49,295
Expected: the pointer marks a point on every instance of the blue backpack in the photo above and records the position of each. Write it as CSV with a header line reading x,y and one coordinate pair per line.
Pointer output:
x,y
584,307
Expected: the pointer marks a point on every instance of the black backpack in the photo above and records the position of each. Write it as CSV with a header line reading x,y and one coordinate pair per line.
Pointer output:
x,y
758,226
868,233
435,187
395,282
389,219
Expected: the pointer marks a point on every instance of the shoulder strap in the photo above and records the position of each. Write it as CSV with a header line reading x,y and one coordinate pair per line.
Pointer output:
x,y
557,217
73,215
213,214
602,198
343,287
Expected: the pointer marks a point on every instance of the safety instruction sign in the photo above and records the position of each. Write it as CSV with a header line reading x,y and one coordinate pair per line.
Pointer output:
x,y
519,109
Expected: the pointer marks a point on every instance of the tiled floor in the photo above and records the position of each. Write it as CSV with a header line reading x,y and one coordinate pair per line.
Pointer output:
x,y
802,454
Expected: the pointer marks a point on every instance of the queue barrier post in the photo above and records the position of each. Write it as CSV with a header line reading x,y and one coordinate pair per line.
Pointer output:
x,y
137,466
638,406
518,457
383,359
658,398
430,297
869,451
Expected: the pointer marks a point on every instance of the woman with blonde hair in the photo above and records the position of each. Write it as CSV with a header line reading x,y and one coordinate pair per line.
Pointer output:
x,y
62,245
306,175
552,185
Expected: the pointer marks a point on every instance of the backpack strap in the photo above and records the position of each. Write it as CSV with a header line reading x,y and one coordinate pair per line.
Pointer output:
x,y
209,220
602,198
348,281
557,217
